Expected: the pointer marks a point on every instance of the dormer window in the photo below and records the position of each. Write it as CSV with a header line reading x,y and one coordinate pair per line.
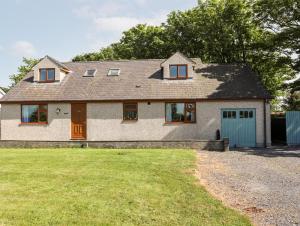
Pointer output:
x,y
114,72
178,71
47,75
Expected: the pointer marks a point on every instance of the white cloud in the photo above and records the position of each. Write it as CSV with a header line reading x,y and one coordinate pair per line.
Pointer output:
x,y
141,2
23,49
92,11
107,21
115,24
120,24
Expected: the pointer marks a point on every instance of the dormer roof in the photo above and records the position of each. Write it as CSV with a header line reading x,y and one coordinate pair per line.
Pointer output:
x,y
57,63
181,55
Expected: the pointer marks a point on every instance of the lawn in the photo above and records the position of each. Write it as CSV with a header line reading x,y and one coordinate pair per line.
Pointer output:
x,y
106,187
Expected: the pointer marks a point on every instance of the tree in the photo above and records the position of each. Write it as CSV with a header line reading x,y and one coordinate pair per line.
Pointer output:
x,y
293,102
104,54
282,19
29,63
142,42
220,31
139,42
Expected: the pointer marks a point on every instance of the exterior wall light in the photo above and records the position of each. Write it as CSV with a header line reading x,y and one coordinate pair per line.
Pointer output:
x,y
58,110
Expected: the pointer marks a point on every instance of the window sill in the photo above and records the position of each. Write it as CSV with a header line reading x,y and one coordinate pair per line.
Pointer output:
x,y
178,123
33,124
179,78
129,121
47,81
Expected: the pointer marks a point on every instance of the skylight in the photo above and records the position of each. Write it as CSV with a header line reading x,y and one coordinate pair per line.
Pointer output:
x,y
114,72
90,73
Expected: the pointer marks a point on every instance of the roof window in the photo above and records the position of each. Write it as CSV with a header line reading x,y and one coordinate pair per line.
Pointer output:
x,y
114,72
90,73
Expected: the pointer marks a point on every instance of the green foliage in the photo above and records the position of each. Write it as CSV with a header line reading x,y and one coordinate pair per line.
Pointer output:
x,y
139,42
282,17
142,42
293,101
262,33
217,31
27,66
104,54
5,89
106,187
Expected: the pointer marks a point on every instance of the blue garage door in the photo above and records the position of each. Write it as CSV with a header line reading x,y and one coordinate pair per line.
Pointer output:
x,y
239,125
293,127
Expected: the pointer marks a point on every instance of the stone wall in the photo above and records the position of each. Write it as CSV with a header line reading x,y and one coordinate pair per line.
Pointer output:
x,y
200,145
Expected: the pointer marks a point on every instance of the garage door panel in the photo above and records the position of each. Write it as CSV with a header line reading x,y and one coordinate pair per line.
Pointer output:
x,y
241,129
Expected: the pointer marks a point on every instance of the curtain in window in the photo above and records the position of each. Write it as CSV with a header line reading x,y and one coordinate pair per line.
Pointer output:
x,y
30,113
175,112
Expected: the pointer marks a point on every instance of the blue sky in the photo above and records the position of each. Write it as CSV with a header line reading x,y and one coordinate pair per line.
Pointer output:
x,y
65,28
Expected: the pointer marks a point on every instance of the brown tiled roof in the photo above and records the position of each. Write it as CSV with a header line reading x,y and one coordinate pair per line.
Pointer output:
x,y
141,79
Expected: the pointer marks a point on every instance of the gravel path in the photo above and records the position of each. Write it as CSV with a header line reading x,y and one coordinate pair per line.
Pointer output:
x,y
263,183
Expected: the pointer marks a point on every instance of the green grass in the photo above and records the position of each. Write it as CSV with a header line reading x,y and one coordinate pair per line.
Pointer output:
x,y
106,187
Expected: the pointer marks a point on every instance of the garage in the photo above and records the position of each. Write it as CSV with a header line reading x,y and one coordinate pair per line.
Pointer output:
x,y
239,125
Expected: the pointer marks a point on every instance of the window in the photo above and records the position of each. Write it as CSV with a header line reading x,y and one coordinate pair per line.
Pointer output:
x,y
130,111
90,73
47,75
114,72
246,114
35,114
178,71
181,112
229,114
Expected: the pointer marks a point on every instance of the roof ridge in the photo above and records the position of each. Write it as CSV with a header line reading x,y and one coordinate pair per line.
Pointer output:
x,y
122,60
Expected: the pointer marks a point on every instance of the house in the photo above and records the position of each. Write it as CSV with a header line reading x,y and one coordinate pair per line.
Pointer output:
x,y
174,99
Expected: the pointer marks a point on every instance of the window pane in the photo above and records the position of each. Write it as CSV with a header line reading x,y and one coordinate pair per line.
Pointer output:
x,y
43,113
29,113
43,107
130,112
173,71
51,74
130,115
251,114
175,112
43,117
114,72
242,114
43,74
190,116
233,114
182,71
224,114
190,106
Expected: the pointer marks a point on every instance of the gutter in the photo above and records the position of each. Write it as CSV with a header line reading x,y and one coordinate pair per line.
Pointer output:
x,y
265,123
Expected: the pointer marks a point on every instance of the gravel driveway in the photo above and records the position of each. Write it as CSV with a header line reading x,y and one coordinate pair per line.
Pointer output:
x,y
263,183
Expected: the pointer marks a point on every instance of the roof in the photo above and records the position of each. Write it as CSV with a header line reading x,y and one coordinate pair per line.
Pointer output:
x,y
191,60
2,93
60,65
141,80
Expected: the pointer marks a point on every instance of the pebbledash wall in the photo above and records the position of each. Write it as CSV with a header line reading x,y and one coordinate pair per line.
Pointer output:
x,y
104,123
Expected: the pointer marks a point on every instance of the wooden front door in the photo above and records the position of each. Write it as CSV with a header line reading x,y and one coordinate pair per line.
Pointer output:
x,y
78,121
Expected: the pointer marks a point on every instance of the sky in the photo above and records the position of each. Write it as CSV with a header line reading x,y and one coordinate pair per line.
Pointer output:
x,y
65,28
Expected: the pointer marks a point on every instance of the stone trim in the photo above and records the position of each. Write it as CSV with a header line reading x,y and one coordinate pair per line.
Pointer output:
x,y
194,144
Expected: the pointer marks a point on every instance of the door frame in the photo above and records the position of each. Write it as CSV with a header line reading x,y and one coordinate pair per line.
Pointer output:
x,y
238,115
85,134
